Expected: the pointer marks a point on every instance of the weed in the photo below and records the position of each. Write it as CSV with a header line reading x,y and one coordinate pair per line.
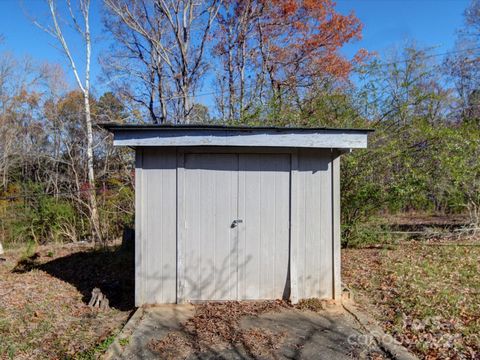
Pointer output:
x,y
93,353
124,341
11,352
30,249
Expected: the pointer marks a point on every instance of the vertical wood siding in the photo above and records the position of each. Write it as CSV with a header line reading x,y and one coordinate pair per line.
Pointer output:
x,y
314,243
156,272
211,183
251,260
336,256
264,206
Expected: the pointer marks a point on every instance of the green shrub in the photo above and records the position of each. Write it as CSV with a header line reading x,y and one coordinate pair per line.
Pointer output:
x,y
116,209
40,218
365,233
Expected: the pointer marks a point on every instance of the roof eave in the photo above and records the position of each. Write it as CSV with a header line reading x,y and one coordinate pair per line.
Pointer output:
x,y
267,137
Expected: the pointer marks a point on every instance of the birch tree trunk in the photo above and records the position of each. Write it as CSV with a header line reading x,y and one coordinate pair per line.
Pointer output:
x,y
97,234
56,32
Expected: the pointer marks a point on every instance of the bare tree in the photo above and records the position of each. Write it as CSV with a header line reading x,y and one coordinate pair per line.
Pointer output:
x,y
7,132
133,67
235,40
180,46
462,65
17,105
83,29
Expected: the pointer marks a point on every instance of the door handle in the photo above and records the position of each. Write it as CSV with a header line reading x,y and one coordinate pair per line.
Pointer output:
x,y
236,222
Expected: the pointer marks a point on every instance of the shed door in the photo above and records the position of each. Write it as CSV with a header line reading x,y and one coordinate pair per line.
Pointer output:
x,y
264,206
211,193
237,226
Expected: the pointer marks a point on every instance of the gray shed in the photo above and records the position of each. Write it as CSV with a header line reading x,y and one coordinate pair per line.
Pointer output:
x,y
236,213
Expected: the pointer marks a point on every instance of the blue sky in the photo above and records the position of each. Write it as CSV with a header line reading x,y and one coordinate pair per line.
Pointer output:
x,y
387,24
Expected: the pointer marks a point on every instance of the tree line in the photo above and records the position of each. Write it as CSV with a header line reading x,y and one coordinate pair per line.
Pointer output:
x,y
267,63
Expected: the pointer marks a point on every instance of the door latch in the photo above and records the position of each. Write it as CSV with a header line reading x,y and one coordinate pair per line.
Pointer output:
x,y
236,222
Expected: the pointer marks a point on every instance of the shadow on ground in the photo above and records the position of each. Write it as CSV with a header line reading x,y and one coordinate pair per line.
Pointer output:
x,y
111,270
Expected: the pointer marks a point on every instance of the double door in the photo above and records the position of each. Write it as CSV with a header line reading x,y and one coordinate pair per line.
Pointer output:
x,y
236,222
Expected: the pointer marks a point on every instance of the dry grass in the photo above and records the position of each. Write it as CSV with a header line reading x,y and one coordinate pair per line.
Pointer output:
x,y
426,294
43,311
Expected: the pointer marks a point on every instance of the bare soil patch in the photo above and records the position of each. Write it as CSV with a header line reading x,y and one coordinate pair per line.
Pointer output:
x,y
419,221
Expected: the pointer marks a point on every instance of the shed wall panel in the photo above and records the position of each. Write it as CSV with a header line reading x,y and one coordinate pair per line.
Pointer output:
x,y
157,268
314,243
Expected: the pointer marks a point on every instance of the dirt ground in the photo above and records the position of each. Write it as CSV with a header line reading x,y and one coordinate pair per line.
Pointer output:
x,y
418,220
248,330
44,297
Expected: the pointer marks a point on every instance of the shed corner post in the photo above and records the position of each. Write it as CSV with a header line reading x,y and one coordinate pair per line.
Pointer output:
x,y
336,230
180,226
139,241
294,233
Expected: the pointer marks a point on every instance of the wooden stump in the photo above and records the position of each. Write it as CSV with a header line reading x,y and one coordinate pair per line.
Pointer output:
x,y
99,300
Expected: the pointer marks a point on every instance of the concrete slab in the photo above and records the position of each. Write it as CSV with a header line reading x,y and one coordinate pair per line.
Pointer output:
x,y
329,334
156,322
310,335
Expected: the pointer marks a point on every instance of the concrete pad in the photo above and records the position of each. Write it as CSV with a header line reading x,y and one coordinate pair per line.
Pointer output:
x,y
155,323
329,334
385,341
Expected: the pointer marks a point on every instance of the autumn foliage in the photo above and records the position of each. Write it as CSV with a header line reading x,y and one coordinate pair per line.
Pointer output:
x,y
282,44
304,37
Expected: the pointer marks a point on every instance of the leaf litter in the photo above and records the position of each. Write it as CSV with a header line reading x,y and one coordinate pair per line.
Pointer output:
x,y
43,316
425,293
216,326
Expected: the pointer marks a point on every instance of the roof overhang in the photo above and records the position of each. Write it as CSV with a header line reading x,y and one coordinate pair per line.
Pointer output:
x,y
208,135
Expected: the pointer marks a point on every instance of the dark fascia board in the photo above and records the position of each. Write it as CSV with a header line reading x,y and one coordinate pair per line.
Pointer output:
x,y
115,126
219,135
